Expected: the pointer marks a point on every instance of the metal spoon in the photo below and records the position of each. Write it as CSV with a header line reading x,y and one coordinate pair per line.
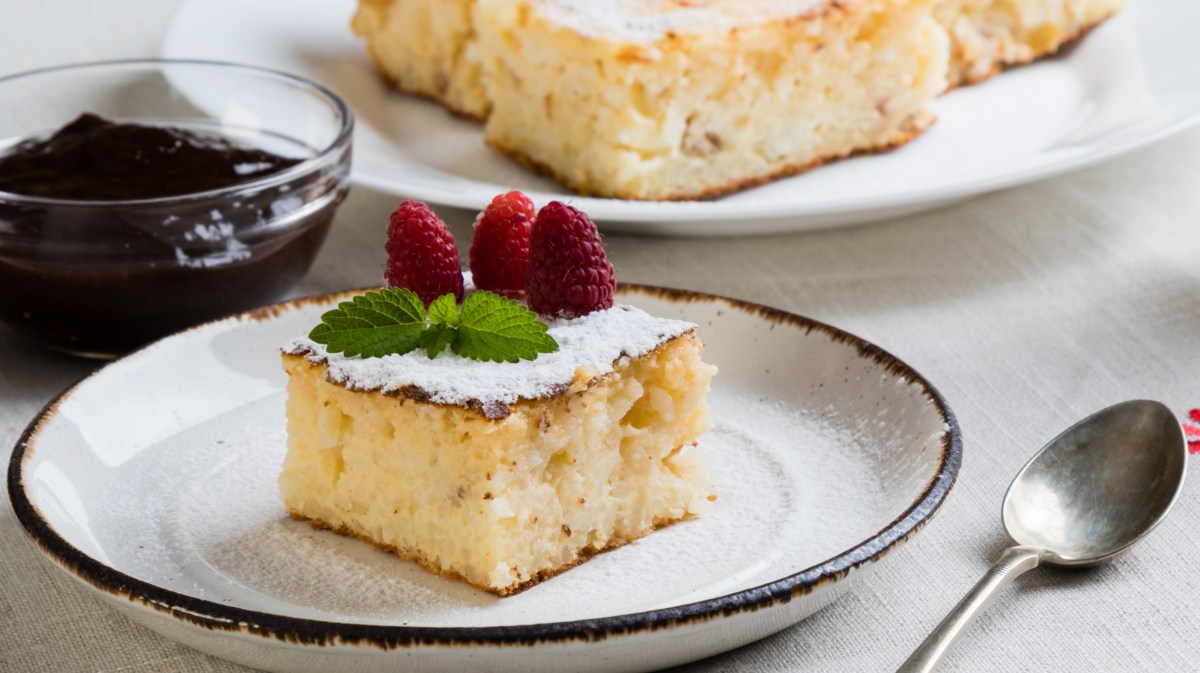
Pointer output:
x,y
1086,497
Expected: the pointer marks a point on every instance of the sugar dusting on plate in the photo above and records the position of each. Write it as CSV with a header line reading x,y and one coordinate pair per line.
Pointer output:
x,y
591,344
793,491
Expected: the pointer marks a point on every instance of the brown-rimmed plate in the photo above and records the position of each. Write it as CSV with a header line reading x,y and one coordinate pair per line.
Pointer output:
x,y
152,481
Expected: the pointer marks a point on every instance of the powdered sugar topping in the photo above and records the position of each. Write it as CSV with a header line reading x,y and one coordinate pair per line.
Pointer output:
x,y
650,20
590,344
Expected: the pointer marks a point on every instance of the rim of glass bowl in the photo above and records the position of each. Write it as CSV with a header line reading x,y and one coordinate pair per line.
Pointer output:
x,y
339,143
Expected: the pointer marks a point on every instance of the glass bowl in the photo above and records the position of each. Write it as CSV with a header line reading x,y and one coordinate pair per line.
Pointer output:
x,y
101,277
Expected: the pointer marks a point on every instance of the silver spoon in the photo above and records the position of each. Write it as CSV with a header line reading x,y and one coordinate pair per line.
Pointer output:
x,y
1086,497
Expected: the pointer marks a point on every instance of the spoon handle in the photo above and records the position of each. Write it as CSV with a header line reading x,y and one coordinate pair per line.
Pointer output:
x,y
1013,562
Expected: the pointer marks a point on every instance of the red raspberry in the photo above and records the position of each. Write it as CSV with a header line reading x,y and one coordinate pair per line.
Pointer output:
x,y
568,274
500,247
421,253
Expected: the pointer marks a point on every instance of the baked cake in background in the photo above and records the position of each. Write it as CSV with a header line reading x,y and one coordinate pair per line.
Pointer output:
x,y
689,99
425,47
987,35
669,99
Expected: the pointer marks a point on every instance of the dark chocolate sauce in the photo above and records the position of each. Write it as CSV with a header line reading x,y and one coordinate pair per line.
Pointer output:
x,y
93,275
93,159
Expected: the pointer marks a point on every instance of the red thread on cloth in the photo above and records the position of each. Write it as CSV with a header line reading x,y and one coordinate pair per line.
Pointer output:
x,y
1193,431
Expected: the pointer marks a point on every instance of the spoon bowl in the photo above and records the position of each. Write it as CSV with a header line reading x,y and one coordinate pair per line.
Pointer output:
x,y
1100,486
1086,497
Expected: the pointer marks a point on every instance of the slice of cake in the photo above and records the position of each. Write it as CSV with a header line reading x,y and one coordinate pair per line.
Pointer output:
x,y
987,35
684,100
478,440
502,474
425,47
669,99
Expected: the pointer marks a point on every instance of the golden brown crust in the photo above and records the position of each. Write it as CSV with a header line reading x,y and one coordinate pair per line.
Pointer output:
x,y
415,555
912,128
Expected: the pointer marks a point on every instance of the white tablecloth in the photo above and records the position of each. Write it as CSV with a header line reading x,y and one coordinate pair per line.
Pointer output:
x,y
1028,309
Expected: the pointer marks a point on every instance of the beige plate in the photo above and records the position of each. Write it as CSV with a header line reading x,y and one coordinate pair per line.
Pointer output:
x,y
153,482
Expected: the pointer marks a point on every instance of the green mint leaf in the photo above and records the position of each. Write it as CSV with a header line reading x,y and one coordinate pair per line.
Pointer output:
x,y
444,311
435,338
373,324
394,321
500,330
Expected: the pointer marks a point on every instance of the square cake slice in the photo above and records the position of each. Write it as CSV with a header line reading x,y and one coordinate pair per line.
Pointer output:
x,y
987,35
503,474
670,99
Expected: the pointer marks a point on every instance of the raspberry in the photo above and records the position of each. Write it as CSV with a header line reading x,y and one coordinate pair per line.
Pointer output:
x,y
421,253
568,274
500,248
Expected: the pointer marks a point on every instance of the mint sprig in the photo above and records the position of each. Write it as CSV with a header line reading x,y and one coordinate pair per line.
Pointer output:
x,y
394,321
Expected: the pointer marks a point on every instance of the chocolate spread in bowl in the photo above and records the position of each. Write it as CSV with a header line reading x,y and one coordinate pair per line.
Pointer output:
x,y
102,259
93,159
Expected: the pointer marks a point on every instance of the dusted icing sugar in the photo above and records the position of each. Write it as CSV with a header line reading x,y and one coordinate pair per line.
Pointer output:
x,y
645,21
590,344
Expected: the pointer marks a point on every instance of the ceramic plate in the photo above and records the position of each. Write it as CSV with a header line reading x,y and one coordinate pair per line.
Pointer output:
x,y
153,482
1128,83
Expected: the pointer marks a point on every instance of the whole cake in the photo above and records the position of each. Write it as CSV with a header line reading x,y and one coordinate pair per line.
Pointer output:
x,y
497,472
